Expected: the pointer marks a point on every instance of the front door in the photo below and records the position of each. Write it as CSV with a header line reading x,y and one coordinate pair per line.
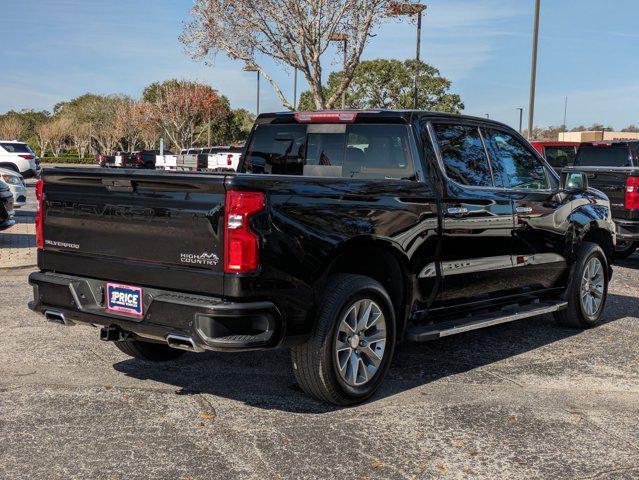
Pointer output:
x,y
538,237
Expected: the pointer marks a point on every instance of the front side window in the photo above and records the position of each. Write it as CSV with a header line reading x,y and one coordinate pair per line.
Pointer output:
x,y
514,165
463,153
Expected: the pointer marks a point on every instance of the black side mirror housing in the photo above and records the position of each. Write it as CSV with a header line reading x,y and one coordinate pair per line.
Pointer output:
x,y
574,182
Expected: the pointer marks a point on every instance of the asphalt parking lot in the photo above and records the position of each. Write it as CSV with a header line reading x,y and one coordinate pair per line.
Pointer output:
x,y
524,400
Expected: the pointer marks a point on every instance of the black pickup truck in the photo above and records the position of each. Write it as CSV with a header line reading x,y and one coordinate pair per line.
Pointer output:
x,y
613,168
342,233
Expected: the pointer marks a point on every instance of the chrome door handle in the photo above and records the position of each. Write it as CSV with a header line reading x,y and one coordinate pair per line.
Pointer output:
x,y
523,209
457,210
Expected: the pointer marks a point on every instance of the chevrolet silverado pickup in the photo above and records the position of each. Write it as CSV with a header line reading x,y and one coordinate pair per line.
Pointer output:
x,y
613,168
342,233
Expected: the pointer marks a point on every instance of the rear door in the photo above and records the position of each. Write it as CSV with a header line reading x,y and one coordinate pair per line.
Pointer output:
x,y
135,227
538,260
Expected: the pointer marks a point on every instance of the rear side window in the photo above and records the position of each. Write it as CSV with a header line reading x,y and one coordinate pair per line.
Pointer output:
x,y
350,151
610,155
464,156
514,165
559,156
16,147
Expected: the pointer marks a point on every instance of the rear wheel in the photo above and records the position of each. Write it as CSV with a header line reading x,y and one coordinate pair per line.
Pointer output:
x,y
153,352
352,344
624,250
588,289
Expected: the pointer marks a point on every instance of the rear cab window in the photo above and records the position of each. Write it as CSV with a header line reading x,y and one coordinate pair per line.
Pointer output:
x,y
605,155
361,151
559,156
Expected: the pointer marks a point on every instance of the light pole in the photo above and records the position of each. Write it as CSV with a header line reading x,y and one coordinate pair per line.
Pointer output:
x,y
342,37
565,112
253,68
295,89
521,117
533,71
411,9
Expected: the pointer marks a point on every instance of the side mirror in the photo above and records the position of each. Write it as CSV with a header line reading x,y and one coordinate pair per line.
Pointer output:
x,y
574,181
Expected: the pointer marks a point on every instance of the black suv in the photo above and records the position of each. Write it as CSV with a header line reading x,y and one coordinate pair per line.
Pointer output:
x,y
341,234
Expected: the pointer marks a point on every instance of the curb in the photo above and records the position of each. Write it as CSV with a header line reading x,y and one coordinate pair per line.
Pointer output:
x,y
18,267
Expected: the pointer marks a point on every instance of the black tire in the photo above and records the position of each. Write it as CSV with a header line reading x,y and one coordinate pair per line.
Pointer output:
x,y
575,315
314,363
149,166
625,252
152,352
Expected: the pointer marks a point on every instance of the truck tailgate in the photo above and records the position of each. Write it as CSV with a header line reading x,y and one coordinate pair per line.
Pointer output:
x,y
151,228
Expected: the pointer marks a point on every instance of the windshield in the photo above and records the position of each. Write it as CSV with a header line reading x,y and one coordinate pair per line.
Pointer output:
x,y
612,155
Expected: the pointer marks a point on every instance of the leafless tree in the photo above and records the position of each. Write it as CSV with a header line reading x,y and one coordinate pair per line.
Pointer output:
x,y
81,136
60,132
43,132
294,33
185,106
11,128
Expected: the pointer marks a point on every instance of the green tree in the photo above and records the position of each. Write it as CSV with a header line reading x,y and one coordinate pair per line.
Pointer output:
x,y
384,83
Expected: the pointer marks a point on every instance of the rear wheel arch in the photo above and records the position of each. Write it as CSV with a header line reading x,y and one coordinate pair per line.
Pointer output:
x,y
381,261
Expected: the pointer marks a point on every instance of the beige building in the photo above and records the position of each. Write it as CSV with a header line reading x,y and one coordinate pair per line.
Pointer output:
x,y
596,136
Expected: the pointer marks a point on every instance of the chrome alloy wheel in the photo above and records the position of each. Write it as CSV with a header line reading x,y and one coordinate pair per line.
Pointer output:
x,y
360,342
592,287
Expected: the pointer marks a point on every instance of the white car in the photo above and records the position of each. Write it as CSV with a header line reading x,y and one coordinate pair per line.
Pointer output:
x,y
16,184
19,157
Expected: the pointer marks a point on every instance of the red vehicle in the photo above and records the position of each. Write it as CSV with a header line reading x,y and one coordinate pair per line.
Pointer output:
x,y
558,154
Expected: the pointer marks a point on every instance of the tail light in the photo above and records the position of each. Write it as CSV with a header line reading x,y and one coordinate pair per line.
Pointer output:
x,y
39,219
241,249
229,159
632,193
28,157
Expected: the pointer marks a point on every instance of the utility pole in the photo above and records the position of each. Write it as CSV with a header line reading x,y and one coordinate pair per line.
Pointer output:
x,y
411,9
253,68
295,89
565,112
533,71
342,37
521,117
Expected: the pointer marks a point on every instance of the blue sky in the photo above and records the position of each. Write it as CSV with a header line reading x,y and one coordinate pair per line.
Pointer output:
x,y
52,50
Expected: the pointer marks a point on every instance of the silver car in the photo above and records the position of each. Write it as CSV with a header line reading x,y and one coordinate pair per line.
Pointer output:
x,y
17,186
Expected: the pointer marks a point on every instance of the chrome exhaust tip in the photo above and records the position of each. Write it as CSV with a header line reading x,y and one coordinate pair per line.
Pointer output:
x,y
183,343
57,317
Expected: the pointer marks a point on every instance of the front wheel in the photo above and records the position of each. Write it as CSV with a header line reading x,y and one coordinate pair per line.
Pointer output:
x,y
587,290
352,344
